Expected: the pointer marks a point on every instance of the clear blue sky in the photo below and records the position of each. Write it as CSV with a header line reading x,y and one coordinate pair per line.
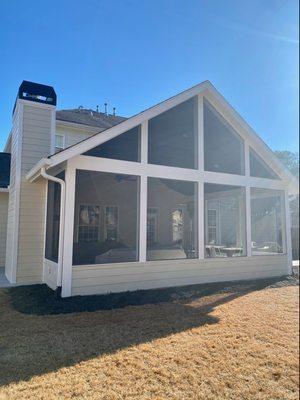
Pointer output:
x,y
135,53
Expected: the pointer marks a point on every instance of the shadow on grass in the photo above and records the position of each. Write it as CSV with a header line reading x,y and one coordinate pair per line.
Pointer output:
x,y
40,300
43,332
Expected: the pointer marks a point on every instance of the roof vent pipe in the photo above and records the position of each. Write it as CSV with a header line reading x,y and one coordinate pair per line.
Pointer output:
x,y
105,108
97,108
114,111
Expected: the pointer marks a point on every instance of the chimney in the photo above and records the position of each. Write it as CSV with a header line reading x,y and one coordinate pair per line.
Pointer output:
x,y
33,137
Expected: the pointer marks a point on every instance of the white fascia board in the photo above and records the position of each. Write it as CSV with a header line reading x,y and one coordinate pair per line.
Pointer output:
x,y
4,190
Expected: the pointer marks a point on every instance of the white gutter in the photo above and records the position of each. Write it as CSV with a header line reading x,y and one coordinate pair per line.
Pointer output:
x,y
35,171
61,222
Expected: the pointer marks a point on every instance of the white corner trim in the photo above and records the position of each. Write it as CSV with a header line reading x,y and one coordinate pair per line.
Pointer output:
x,y
16,215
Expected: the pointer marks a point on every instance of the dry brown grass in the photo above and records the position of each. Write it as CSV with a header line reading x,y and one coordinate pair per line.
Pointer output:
x,y
230,345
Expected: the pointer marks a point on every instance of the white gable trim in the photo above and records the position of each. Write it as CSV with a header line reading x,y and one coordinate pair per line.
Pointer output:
x,y
212,95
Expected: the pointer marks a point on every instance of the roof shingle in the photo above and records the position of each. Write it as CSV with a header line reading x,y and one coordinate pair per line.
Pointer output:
x,y
89,117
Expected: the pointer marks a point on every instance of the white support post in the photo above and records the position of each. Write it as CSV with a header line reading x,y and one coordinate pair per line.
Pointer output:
x,y
200,134
288,234
144,142
70,176
248,221
247,159
201,237
143,219
143,195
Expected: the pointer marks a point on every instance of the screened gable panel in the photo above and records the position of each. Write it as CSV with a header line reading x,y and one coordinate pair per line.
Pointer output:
x,y
124,147
223,147
259,168
172,136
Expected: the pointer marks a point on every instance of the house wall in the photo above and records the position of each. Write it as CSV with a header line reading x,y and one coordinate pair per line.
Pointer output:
x,y
31,141
100,279
14,191
74,135
36,144
3,225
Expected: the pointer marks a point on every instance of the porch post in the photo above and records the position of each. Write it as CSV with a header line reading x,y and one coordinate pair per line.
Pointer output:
x,y
288,234
248,221
143,195
70,176
200,205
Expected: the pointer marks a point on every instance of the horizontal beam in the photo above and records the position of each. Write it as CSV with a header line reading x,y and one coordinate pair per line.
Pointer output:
x,y
161,171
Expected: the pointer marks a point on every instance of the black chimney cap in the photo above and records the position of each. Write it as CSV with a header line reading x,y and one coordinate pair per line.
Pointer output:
x,y
36,92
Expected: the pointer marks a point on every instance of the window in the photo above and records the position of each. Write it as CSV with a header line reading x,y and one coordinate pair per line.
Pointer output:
x,y
225,216
223,147
59,143
53,219
123,147
174,234
112,237
212,225
111,223
266,221
259,168
152,221
89,223
172,136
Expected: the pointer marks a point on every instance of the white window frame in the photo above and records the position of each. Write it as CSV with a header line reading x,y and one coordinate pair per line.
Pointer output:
x,y
63,136
78,218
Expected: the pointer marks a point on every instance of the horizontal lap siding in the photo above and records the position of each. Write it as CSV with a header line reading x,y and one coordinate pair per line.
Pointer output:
x,y
3,226
133,276
36,144
73,136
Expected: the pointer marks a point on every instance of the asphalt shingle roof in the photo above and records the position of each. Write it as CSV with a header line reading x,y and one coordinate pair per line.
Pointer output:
x,y
89,117
4,170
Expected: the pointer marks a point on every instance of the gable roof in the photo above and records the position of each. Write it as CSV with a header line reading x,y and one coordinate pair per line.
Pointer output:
x,y
89,117
210,92
4,170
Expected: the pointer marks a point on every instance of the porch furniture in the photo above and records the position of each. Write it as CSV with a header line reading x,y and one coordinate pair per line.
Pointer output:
x,y
231,251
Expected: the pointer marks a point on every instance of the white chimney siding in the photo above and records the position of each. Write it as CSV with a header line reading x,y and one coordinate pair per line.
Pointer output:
x,y
32,136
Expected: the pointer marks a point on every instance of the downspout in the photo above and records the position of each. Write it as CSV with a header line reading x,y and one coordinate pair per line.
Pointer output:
x,y
61,222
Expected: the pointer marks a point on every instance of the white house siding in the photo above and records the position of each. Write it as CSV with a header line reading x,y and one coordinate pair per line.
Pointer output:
x,y
3,226
36,144
100,279
74,135
13,195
